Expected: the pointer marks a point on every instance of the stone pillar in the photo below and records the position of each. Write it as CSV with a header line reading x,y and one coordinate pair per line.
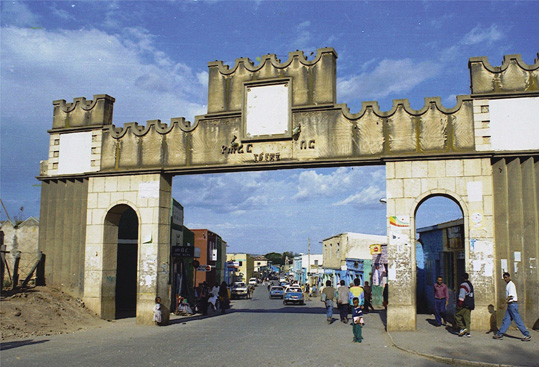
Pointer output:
x,y
149,195
469,183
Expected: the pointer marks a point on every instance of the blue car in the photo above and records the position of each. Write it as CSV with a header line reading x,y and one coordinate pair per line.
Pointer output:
x,y
276,291
293,295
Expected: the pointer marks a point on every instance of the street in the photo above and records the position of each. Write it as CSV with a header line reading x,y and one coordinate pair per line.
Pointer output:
x,y
258,331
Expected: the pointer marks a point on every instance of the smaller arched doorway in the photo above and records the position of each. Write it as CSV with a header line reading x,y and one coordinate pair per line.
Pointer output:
x,y
440,238
121,240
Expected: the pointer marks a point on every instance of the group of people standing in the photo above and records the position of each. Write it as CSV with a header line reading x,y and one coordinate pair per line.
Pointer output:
x,y
354,299
466,303
217,297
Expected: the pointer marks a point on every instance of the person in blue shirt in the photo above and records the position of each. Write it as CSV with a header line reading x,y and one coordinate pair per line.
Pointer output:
x,y
357,317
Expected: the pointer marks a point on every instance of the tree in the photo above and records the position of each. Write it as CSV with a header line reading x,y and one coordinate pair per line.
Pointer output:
x,y
275,258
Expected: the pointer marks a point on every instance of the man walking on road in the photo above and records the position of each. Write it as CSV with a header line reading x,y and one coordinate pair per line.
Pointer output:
x,y
328,295
342,300
511,314
367,292
465,305
441,299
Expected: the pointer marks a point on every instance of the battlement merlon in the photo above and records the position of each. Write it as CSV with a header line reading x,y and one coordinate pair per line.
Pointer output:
x,y
82,114
512,77
313,82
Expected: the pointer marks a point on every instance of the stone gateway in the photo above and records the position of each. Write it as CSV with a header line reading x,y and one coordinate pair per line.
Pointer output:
x,y
106,190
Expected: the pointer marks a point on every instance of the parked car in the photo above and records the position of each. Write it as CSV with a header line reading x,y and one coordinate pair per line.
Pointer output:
x,y
253,281
239,289
293,295
277,292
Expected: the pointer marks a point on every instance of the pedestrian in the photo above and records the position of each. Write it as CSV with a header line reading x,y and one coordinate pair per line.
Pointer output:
x,y
214,296
511,314
465,306
157,311
367,291
356,291
441,300
204,297
342,299
307,292
224,298
328,295
385,296
357,318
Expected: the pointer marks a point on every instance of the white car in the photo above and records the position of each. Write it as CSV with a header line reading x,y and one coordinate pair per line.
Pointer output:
x,y
253,281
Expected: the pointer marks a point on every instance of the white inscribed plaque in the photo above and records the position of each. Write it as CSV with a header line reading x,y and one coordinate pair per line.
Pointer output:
x,y
267,110
75,153
475,191
513,123
148,190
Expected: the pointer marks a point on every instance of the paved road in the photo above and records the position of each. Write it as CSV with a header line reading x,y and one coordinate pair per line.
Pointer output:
x,y
256,332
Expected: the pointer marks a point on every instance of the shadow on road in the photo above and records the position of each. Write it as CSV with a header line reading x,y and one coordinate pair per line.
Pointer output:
x,y
20,343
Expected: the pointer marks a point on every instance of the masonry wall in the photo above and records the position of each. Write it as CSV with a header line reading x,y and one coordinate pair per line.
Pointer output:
x,y
21,238
62,232
469,183
150,197
516,196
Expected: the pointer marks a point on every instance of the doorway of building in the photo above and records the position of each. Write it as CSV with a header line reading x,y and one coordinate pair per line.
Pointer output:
x,y
127,260
439,228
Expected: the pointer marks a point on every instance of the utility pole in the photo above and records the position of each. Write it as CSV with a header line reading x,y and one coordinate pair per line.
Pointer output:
x,y
308,258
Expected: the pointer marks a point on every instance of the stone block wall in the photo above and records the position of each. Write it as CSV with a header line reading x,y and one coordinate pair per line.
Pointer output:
x,y
469,183
149,196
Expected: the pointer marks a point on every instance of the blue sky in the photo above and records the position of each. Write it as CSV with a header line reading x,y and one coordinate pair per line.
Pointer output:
x,y
152,57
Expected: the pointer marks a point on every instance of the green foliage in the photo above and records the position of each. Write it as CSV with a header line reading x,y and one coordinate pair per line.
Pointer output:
x,y
275,258
279,259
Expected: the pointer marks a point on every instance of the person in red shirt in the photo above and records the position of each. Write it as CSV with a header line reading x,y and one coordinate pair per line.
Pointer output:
x,y
441,300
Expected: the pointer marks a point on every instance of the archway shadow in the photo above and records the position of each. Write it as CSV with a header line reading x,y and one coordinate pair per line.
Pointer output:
x,y
296,309
383,317
20,343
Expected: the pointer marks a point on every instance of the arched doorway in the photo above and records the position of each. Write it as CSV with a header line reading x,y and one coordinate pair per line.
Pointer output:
x,y
440,251
121,240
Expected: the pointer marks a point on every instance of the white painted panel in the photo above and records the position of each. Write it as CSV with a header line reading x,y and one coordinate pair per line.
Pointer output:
x,y
267,110
514,123
148,190
75,153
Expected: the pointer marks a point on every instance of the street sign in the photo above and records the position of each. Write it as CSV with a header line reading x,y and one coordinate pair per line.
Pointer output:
x,y
183,251
376,249
205,268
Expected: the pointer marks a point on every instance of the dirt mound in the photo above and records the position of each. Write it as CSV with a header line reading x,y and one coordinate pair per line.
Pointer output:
x,y
42,311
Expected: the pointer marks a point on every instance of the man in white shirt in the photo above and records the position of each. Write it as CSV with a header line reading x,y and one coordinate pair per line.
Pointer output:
x,y
512,311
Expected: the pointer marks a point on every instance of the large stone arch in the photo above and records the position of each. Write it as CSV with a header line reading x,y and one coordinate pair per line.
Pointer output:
x,y
93,164
420,200
111,262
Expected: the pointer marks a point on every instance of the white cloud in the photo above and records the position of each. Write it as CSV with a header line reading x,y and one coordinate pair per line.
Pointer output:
x,y
312,184
483,35
17,13
389,77
65,64
369,196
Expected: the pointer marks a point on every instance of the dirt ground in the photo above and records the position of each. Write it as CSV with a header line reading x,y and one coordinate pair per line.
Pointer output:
x,y
42,311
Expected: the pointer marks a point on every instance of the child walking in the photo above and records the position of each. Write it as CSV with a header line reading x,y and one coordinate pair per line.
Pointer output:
x,y
357,317
157,311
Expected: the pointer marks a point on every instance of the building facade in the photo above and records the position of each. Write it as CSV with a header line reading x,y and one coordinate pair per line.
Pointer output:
x,y
346,255
243,266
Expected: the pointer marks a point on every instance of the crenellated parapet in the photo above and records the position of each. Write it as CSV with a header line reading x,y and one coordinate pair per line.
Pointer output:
x,y
513,76
320,134
313,82
82,113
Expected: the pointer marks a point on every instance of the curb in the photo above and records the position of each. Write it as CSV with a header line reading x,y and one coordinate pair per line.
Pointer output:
x,y
450,361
